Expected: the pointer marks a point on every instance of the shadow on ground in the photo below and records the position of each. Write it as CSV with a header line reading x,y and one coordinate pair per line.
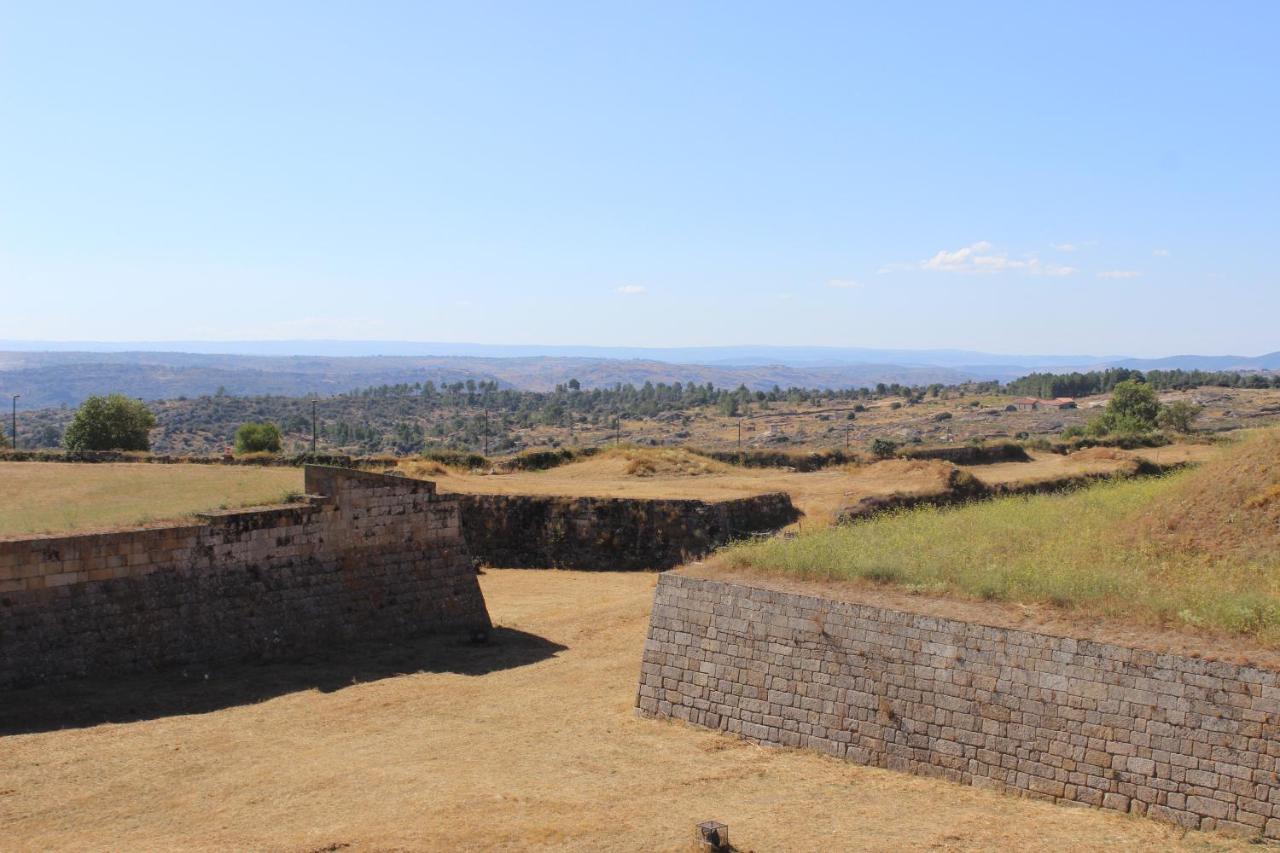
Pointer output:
x,y
200,689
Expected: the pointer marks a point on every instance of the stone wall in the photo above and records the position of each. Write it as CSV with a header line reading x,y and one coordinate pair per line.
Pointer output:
x,y
370,556
1177,738
541,531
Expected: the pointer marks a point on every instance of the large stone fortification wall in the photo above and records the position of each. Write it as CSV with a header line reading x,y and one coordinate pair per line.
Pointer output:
x,y
539,531
369,556
1177,738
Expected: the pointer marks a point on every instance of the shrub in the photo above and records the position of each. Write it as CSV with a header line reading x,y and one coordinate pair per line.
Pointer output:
x,y
115,422
883,448
257,437
455,458
1133,409
1179,415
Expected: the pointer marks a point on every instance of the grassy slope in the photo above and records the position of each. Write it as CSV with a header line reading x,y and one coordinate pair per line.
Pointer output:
x,y
1089,550
43,497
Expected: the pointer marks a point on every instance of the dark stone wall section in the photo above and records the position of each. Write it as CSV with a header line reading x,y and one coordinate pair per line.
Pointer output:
x,y
536,531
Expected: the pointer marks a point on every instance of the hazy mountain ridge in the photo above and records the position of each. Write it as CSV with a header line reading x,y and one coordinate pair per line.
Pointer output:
x,y
66,378
58,377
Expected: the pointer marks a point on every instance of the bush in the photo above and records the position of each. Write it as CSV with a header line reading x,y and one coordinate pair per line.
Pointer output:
x,y
1133,409
883,448
455,458
258,438
1179,415
115,422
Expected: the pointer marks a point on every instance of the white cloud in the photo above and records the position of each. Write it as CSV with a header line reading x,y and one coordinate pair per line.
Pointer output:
x,y
632,289
1161,253
957,260
1065,247
1119,274
844,284
980,258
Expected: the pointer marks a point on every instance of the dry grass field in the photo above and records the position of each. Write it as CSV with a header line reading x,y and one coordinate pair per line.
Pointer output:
x,y
674,473
46,497
528,743
49,497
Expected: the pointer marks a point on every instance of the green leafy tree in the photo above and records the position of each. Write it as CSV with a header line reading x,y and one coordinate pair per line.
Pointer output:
x,y
1133,408
258,438
115,422
1179,415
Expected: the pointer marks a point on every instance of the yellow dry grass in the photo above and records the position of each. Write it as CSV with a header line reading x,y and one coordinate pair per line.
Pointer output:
x,y
508,751
820,495
1227,512
46,497
1053,466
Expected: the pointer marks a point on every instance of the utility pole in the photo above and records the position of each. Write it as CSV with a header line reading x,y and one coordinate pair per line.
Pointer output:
x,y
313,425
15,420
739,435
617,431
486,430
846,437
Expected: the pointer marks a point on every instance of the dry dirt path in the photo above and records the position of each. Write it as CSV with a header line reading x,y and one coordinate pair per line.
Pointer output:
x,y
527,743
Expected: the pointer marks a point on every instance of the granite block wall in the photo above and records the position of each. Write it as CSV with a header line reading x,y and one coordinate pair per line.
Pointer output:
x,y
542,531
368,557
1177,738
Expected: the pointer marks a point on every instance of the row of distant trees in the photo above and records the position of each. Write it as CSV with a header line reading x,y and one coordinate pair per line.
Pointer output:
x,y
117,422
1050,385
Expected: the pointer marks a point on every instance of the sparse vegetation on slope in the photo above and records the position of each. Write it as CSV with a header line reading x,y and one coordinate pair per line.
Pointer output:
x,y
1166,550
1225,513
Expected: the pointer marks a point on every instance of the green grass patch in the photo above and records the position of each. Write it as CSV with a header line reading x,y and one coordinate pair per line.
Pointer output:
x,y
1074,551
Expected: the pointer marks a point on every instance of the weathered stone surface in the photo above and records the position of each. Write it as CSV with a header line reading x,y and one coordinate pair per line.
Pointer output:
x,y
546,531
371,557
1180,739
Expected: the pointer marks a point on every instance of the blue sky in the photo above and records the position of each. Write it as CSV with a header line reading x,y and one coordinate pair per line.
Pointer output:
x,y
1046,177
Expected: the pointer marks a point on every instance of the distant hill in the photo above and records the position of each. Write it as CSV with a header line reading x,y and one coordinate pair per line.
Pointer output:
x,y
47,379
1270,361
59,374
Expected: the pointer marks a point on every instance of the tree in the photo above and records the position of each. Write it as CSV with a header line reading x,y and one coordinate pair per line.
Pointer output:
x,y
115,422
1179,415
258,438
1134,408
